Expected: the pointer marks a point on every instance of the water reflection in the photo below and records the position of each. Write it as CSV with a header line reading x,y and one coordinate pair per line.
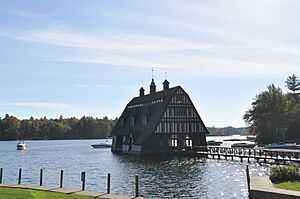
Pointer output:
x,y
166,177
160,177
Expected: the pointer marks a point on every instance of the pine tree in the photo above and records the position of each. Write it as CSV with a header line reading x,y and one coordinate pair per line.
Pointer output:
x,y
293,83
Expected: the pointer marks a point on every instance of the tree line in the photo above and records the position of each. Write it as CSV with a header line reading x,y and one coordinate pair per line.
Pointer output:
x,y
229,130
274,116
12,128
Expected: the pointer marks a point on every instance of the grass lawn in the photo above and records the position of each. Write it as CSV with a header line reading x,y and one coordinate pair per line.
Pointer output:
x,y
288,185
16,193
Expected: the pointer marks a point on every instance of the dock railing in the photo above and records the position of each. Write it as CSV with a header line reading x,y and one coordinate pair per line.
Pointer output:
x,y
276,155
83,180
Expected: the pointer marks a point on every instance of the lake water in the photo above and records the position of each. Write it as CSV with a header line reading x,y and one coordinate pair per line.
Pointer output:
x,y
164,177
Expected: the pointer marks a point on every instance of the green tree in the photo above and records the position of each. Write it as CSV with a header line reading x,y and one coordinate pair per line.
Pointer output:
x,y
293,114
9,128
12,128
267,117
293,84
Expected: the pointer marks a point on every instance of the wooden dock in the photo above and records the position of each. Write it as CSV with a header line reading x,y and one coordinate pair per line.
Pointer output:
x,y
277,156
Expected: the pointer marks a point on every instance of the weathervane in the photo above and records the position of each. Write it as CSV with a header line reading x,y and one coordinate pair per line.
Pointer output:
x,y
152,73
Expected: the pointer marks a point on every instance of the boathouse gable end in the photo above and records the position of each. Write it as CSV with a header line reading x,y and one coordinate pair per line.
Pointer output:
x,y
180,116
136,131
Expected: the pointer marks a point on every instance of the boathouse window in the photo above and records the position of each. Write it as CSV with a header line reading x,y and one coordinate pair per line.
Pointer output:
x,y
144,119
188,141
179,99
132,121
174,141
122,121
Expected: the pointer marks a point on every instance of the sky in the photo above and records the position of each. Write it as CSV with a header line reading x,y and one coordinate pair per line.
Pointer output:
x,y
76,58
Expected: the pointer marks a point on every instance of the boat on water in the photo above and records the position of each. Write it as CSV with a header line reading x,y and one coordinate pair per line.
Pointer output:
x,y
102,145
21,146
243,145
214,143
106,145
281,146
251,137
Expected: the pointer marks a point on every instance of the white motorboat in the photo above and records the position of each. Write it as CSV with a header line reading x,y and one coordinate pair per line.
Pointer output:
x,y
21,146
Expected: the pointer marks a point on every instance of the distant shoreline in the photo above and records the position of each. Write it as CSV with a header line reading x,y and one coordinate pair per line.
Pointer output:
x,y
59,139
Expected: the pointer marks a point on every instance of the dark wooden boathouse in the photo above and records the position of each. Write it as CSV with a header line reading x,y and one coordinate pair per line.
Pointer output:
x,y
159,123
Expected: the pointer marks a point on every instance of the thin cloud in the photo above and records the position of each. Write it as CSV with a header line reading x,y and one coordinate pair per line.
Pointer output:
x,y
128,42
40,105
222,52
191,64
173,53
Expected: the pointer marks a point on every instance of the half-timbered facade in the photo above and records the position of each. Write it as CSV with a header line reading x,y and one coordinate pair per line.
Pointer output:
x,y
159,122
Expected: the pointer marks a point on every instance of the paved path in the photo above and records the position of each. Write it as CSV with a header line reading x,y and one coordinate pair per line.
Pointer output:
x,y
263,184
71,191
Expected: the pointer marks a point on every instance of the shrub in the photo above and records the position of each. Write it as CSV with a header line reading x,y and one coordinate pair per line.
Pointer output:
x,y
284,173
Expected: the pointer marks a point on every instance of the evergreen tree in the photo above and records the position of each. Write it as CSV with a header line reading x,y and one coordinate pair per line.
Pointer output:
x,y
293,84
267,118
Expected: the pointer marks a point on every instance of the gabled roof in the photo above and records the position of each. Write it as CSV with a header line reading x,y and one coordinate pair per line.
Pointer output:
x,y
153,106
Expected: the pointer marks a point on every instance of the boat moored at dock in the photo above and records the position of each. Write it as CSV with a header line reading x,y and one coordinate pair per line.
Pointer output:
x,y
281,146
214,143
243,145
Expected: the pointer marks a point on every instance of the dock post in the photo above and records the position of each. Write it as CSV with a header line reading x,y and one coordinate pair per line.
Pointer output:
x,y
248,160
41,177
108,183
248,177
241,159
61,178
1,175
20,175
232,157
83,180
136,186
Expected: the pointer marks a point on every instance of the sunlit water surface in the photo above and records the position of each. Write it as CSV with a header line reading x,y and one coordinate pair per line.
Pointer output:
x,y
160,177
